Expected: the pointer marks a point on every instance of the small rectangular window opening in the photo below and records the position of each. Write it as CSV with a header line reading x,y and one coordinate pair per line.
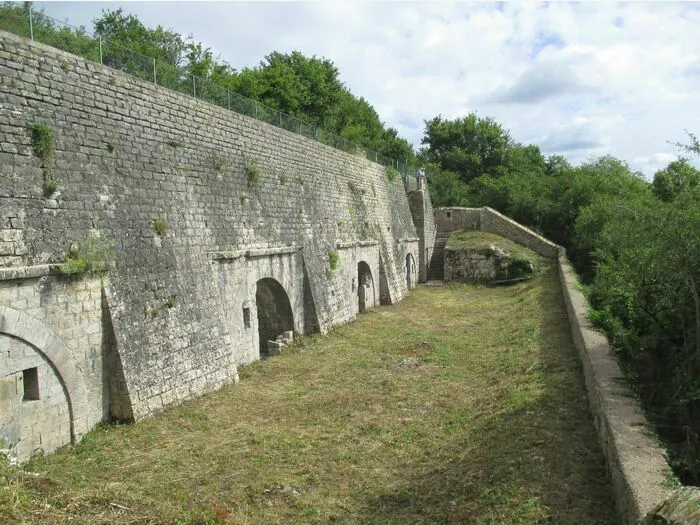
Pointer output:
x,y
246,317
30,379
449,214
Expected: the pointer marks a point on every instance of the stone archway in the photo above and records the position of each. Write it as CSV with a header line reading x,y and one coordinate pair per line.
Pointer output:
x,y
274,310
410,271
365,287
53,365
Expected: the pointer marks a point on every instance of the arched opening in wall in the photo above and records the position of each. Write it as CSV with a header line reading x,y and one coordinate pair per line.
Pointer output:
x,y
365,287
34,409
410,271
274,315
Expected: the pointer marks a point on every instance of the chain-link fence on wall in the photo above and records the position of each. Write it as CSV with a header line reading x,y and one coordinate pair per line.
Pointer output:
x,y
23,21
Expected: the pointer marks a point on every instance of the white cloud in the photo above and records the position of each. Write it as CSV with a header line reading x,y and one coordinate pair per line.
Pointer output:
x,y
579,79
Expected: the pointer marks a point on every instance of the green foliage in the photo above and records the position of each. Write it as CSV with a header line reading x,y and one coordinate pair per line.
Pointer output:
x,y
50,188
678,177
173,143
109,146
43,144
160,227
635,245
333,260
88,257
519,266
391,173
252,171
43,140
469,146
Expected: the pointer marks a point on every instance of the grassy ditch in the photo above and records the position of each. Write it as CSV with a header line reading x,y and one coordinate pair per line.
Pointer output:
x,y
461,404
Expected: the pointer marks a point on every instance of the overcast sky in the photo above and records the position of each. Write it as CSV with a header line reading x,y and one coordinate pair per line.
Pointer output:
x,y
578,79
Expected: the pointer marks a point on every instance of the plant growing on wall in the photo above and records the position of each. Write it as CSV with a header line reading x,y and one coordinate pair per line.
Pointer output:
x,y
252,171
333,260
220,161
391,173
88,257
43,144
160,227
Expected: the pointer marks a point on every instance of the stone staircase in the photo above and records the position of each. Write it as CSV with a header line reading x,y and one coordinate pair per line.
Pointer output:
x,y
436,272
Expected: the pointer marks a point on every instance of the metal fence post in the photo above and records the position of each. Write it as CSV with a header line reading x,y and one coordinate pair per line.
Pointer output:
x,y
280,119
194,86
228,99
101,62
155,79
31,24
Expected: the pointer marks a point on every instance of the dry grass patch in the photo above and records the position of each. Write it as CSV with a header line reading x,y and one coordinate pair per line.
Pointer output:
x,y
462,404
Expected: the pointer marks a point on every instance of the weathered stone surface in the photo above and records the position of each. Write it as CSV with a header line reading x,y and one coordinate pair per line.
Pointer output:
x,y
179,312
476,264
682,507
637,465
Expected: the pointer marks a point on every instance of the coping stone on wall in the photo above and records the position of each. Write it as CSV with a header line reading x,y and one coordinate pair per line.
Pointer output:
x,y
515,231
637,465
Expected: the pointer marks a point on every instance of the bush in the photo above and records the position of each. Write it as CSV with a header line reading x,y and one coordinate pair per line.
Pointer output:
x,y
333,260
88,257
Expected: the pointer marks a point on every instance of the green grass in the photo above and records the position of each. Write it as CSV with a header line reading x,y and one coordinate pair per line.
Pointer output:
x,y
468,239
461,404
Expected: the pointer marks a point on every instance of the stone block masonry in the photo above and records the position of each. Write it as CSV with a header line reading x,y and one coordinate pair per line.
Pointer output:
x,y
207,212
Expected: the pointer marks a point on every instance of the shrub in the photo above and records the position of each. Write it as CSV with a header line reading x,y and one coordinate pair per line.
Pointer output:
x,y
160,227
519,266
333,260
43,140
391,173
252,171
88,257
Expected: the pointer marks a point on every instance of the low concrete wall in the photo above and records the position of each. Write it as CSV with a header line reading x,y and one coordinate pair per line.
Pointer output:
x,y
637,465
494,222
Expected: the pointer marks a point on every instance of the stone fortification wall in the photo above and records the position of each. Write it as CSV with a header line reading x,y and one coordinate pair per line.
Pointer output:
x,y
489,220
424,218
456,218
494,222
200,205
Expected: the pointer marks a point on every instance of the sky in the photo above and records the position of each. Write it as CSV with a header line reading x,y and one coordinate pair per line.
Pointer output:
x,y
577,79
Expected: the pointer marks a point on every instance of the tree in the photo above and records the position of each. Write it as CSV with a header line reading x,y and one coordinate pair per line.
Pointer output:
x,y
678,177
127,34
470,146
